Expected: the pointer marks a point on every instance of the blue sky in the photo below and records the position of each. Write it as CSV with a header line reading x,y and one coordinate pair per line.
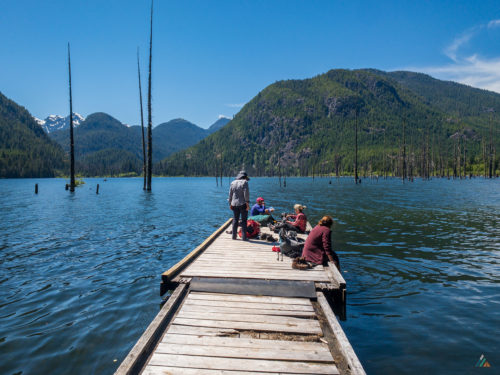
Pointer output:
x,y
211,57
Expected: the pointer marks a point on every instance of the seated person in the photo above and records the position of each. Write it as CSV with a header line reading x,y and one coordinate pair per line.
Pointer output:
x,y
259,208
318,246
299,220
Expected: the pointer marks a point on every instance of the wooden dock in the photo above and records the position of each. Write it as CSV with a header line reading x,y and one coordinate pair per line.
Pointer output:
x,y
238,308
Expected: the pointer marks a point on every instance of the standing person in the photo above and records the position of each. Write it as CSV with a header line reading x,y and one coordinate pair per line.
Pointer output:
x,y
318,246
239,199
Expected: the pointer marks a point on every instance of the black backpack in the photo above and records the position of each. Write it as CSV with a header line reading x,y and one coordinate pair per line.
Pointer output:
x,y
290,244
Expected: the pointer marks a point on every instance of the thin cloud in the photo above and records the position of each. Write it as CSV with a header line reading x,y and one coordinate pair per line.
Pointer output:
x,y
493,23
223,116
235,105
452,50
473,70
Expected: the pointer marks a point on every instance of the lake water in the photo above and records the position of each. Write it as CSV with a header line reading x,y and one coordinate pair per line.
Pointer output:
x,y
80,273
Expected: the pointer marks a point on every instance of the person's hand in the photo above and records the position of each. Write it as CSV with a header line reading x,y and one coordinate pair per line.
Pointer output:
x,y
248,207
230,207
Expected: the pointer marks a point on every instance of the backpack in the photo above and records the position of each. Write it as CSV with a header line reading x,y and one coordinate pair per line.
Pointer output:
x,y
253,229
290,244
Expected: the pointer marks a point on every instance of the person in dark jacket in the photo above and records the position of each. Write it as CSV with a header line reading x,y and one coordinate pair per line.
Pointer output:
x,y
318,246
239,199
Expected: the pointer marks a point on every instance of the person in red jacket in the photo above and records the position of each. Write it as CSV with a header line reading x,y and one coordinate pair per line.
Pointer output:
x,y
299,222
318,246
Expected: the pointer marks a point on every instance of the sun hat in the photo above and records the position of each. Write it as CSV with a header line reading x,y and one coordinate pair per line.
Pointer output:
x,y
259,199
242,174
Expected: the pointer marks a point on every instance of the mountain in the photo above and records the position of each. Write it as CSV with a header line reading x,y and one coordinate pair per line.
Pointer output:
x,y
175,135
219,124
102,143
308,126
25,149
56,122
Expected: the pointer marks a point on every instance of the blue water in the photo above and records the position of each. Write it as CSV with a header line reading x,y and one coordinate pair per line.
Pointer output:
x,y
80,273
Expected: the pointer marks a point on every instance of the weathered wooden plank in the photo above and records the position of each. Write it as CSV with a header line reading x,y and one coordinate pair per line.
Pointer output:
x,y
256,318
238,342
251,275
238,364
249,298
310,327
235,310
224,264
248,352
168,370
201,331
141,350
257,287
248,305
345,346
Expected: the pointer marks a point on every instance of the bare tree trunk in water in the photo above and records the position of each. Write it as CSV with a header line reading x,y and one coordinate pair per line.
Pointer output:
x,y
71,139
142,124
279,171
403,176
485,164
356,150
455,158
490,153
150,117
465,160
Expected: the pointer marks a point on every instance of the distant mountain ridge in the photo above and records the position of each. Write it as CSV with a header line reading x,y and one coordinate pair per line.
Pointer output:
x,y
56,122
104,143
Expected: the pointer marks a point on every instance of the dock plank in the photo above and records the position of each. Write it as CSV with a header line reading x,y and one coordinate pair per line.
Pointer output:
x,y
248,298
167,370
308,327
217,363
201,331
235,310
248,305
239,342
248,352
231,317
253,275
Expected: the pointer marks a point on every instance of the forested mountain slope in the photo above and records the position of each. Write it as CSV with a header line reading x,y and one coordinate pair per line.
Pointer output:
x,y
301,126
25,149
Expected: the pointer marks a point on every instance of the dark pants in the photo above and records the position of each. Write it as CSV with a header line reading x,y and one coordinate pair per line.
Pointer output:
x,y
237,211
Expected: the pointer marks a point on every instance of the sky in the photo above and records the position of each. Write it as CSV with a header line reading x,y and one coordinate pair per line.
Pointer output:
x,y
211,57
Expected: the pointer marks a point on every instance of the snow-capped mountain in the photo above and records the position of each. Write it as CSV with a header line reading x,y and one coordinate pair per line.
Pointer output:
x,y
56,122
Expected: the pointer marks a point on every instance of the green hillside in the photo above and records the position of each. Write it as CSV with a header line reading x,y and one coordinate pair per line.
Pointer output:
x,y
308,126
25,149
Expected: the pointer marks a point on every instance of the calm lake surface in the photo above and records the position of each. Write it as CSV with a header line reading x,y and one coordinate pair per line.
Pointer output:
x,y
80,273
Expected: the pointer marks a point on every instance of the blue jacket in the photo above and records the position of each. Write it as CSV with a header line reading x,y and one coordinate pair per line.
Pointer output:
x,y
258,210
